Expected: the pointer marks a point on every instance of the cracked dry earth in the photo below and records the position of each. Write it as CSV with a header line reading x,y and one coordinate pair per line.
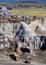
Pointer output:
x,y
5,59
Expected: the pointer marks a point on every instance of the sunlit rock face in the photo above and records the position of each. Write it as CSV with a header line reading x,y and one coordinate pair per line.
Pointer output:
x,y
4,11
23,31
34,24
4,44
25,34
40,30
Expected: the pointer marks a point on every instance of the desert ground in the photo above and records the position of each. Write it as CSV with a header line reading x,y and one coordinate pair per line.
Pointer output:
x,y
6,60
30,12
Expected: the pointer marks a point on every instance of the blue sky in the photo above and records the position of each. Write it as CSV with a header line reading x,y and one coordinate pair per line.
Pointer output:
x,y
44,1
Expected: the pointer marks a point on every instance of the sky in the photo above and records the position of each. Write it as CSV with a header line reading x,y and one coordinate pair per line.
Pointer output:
x,y
43,1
